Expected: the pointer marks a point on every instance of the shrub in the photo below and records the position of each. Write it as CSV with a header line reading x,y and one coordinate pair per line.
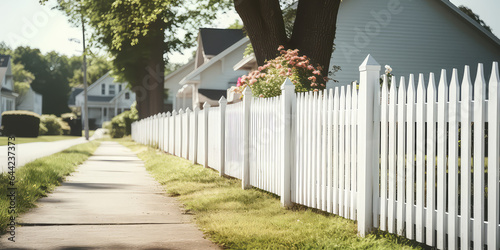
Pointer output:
x,y
52,124
74,123
42,130
121,124
267,80
20,123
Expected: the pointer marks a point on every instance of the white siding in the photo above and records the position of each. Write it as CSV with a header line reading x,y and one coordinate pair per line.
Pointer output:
x,y
172,83
423,36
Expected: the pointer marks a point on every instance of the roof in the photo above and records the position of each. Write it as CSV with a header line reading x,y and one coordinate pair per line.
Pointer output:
x,y
471,21
214,94
221,55
96,98
72,96
179,69
4,61
217,40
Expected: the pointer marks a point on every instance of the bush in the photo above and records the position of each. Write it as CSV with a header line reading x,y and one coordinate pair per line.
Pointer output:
x,y
52,124
20,123
42,130
74,123
267,80
121,124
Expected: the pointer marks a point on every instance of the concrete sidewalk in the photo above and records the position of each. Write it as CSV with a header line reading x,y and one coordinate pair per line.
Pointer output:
x,y
111,202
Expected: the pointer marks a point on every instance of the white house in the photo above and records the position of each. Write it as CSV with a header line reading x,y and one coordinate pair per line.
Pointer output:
x,y
31,101
7,94
106,99
212,71
171,84
411,36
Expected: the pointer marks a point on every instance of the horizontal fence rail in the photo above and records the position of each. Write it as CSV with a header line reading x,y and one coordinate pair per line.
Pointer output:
x,y
413,157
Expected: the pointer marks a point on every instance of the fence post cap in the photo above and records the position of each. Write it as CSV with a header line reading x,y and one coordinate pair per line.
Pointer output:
x,y
369,64
222,100
287,84
247,91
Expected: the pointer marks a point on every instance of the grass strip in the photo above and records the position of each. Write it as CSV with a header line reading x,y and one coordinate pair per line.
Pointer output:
x,y
43,138
39,177
253,219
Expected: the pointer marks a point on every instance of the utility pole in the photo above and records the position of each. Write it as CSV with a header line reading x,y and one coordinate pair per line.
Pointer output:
x,y
85,97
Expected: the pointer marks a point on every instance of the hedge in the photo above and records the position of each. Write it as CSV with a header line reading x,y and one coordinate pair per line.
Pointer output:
x,y
21,123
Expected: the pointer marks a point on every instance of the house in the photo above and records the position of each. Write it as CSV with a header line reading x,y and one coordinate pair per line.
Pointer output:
x,y
31,101
171,84
7,94
211,73
106,99
411,36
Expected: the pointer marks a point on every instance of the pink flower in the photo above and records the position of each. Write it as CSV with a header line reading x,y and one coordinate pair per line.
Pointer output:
x,y
317,72
312,78
253,81
310,67
281,47
261,95
238,83
260,68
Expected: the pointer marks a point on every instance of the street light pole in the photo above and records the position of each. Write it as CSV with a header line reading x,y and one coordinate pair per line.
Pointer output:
x,y
85,97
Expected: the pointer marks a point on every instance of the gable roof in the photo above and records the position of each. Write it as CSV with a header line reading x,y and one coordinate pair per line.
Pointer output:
x,y
196,72
72,96
172,74
4,61
215,41
471,21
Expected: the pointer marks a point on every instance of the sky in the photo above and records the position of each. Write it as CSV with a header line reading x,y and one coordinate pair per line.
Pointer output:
x,y
27,23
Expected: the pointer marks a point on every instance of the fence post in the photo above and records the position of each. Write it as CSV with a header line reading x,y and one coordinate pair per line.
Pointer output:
x,y
174,117
287,109
245,173
195,134
222,107
167,137
206,108
186,127
179,131
369,72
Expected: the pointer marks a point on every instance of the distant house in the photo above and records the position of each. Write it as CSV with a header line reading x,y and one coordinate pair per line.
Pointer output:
x,y
7,94
211,73
411,36
106,99
172,85
31,101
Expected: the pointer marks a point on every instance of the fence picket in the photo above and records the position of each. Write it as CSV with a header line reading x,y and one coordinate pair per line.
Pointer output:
x,y
336,151
324,136
347,158
493,162
431,161
441,159
400,171
330,155
465,160
342,152
420,159
354,139
453,161
479,110
410,159
384,146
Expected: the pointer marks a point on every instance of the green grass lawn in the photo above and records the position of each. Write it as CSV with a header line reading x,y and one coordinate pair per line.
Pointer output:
x,y
43,138
39,177
253,219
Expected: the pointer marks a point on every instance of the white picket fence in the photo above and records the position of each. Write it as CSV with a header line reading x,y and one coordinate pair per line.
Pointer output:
x,y
391,158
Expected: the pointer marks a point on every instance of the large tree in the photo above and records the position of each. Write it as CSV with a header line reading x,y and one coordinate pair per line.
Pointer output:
x,y
313,30
138,33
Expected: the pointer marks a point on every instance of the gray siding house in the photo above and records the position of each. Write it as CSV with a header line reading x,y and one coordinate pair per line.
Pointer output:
x,y
411,36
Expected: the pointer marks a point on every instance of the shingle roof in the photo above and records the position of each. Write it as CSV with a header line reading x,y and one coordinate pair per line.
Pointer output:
x,y
95,98
217,40
72,96
4,61
214,94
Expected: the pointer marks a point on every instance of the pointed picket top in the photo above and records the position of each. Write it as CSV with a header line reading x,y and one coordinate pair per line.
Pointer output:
x,y
421,88
348,97
247,91
411,89
169,114
466,85
401,91
392,90
479,83
207,105
443,87
385,90
287,84
355,98
181,111
222,100
495,76
188,110
196,109
336,98
174,113
431,89
454,86
369,64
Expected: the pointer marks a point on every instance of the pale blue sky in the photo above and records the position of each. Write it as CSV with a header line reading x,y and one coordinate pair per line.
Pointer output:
x,y
25,22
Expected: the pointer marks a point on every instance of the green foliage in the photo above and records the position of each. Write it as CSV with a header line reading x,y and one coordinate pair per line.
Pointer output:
x,y
97,66
54,125
37,178
42,130
20,123
121,124
267,80
474,17
248,50
236,25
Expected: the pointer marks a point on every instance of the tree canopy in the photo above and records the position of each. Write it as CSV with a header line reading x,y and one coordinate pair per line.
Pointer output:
x,y
138,33
474,16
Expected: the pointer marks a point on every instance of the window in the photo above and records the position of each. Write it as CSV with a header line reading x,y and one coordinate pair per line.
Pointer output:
x,y
119,88
127,96
103,89
112,89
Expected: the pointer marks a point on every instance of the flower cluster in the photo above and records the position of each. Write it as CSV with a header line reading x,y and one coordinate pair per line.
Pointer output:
x,y
388,73
267,80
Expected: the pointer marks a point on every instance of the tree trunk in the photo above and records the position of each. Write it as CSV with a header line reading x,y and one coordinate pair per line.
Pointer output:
x,y
313,30
264,24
